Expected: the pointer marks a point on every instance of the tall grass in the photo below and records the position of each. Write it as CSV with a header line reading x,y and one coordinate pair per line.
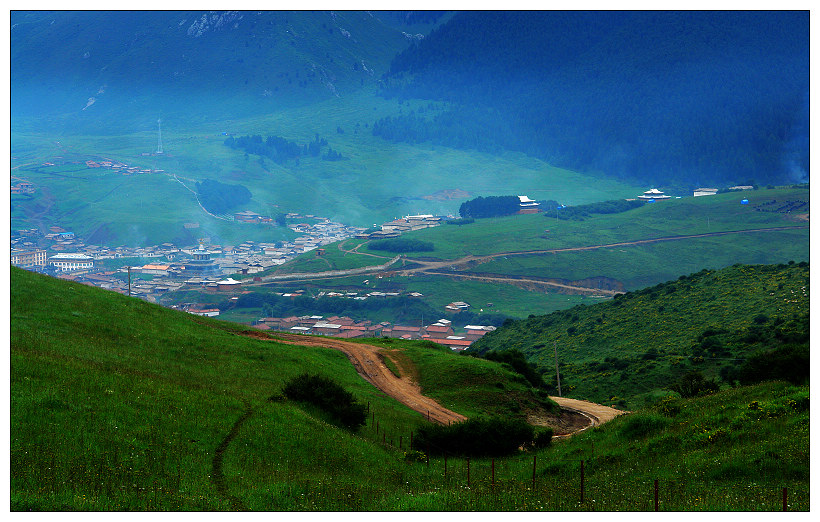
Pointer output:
x,y
116,404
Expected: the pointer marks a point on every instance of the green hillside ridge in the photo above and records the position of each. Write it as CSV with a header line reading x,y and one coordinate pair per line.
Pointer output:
x,y
377,183
627,351
117,404
109,386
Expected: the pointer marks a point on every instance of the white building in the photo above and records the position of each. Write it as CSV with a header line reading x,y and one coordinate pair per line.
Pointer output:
x,y
526,202
69,262
653,194
705,192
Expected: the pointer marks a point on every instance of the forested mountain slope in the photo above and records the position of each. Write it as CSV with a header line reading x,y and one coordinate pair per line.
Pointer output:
x,y
671,98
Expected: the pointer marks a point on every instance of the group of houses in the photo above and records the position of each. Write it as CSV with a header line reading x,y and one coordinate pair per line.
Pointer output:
x,y
440,332
122,168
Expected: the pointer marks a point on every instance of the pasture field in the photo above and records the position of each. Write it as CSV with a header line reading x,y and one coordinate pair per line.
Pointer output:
x,y
377,182
686,216
123,405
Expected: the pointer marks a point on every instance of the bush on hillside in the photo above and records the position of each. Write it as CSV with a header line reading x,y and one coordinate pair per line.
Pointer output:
x,y
693,384
491,206
517,361
642,424
790,363
329,397
480,437
219,197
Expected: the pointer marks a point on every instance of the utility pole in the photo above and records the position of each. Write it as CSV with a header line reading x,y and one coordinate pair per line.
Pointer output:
x,y
129,289
557,373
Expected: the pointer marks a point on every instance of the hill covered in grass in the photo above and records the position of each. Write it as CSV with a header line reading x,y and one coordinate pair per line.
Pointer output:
x,y
627,351
116,404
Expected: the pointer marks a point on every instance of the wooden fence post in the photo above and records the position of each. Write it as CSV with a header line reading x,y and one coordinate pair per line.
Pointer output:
x,y
656,494
534,457
582,482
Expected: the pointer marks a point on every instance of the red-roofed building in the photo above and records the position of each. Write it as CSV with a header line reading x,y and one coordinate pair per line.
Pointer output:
x,y
457,345
439,331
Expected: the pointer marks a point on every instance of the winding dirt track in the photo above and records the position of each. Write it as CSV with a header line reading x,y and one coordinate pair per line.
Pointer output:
x,y
366,359
447,268
367,363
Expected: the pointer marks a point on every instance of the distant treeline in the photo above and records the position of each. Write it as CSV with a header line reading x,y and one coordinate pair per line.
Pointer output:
x,y
552,209
491,206
219,198
280,150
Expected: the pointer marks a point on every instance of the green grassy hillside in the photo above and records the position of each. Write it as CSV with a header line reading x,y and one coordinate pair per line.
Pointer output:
x,y
116,404
124,404
376,183
628,350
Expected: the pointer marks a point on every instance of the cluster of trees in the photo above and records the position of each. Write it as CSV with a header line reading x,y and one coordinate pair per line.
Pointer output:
x,y
401,245
555,210
491,206
280,150
219,198
480,437
516,360
331,398
636,95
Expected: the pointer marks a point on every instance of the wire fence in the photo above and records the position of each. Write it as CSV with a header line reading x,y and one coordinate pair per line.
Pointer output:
x,y
529,482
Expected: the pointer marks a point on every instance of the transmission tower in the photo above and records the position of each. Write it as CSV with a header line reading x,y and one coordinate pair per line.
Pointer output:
x,y
159,136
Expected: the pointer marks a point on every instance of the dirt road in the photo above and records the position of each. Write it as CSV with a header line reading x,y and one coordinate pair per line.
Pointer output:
x,y
455,267
367,361
596,413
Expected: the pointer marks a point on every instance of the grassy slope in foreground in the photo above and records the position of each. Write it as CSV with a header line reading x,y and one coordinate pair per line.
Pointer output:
x,y
117,404
627,350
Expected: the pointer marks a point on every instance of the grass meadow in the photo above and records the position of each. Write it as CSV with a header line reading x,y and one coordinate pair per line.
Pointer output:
x,y
120,405
376,183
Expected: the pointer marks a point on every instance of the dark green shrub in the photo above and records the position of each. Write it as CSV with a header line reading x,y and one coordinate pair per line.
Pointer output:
x,y
329,397
693,384
479,437
400,245
518,363
543,438
790,363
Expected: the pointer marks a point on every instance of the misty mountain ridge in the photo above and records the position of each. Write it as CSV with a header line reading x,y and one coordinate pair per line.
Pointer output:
x,y
667,97
92,66
676,99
